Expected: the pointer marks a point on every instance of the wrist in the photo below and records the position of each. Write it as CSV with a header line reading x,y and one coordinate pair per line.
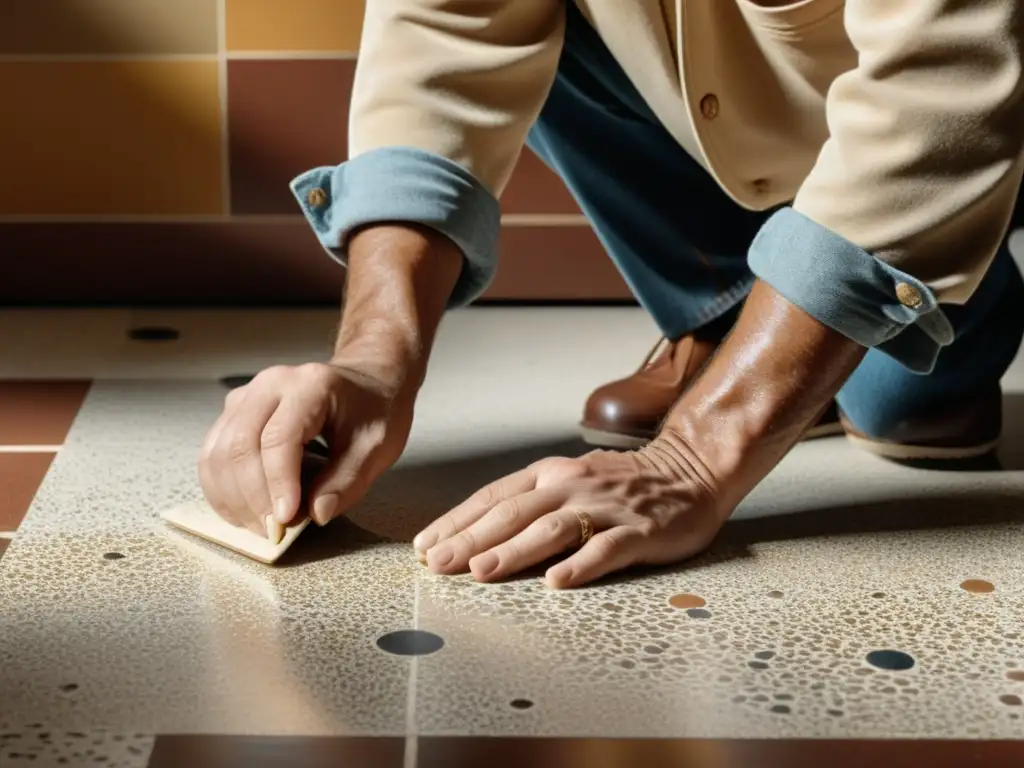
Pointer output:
x,y
769,382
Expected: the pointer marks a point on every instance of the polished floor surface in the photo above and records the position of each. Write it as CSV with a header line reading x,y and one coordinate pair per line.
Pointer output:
x,y
850,598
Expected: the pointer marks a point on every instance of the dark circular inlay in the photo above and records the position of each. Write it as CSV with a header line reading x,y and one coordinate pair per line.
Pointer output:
x,y
113,556
878,595
69,687
237,380
698,613
978,586
154,333
780,709
775,593
1011,700
758,664
521,704
1016,675
410,642
894,660
764,655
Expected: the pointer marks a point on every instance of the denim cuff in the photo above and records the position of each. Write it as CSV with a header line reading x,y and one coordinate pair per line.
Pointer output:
x,y
403,184
849,290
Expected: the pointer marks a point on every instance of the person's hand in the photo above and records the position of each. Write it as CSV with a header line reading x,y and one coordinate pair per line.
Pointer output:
x,y
252,457
651,507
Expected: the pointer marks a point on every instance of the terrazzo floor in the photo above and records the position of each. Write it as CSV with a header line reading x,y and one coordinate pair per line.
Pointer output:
x,y
849,599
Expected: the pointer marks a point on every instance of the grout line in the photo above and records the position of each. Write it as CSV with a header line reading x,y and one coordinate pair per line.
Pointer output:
x,y
292,55
222,92
411,754
30,448
508,219
90,58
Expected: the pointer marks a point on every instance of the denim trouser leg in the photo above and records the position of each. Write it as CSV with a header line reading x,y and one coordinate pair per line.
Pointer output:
x,y
681,242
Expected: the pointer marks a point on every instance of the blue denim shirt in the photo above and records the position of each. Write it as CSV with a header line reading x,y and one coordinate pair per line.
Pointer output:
x,y
832,279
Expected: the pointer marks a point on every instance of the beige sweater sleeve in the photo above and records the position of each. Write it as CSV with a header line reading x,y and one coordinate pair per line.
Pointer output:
x,y
924,160
464,79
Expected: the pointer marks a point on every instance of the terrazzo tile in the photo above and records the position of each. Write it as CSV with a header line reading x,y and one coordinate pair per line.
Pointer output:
x,y
177,636
43,746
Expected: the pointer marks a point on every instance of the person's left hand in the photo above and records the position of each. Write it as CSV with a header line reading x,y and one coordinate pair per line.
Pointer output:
x,y
654,506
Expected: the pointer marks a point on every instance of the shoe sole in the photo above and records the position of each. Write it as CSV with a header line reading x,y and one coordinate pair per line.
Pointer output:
x,y
900,452
615,441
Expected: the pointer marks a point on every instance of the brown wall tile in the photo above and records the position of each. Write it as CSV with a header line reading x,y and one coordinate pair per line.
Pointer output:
x,y
125,137
39,412
285,118
108,26
534,188
295,25
242,262
20,477
556,263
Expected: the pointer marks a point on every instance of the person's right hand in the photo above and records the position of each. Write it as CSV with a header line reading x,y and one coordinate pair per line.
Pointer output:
x,y
251,460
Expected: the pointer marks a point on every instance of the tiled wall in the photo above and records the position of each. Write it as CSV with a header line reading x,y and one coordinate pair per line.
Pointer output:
x,y
146,147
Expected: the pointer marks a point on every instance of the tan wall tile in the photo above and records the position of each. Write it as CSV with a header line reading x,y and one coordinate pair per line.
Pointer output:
x,y
108,26
295,25
126,137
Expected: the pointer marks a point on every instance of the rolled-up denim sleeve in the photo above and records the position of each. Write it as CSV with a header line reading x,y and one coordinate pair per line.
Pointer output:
x,y
404,184
850,290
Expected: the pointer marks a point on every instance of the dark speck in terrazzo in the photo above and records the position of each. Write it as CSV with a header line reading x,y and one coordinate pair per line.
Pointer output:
x,y
758,665
154,333
775,594
113,556
1016,674
878,595
1011,700
237,380
69,687
764,655
780,709
698,613
893,660
977,586
521,704
652,649
835,712
410,642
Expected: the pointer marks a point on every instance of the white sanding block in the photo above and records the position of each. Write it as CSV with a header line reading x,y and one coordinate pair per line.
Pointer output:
x,y
200,519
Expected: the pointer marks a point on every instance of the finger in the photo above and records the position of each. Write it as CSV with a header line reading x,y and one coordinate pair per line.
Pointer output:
x,y
295,422
541,540
473,508
607,552
499,524
241,465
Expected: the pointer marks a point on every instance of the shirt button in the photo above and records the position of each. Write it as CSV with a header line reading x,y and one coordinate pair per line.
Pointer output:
x,y
316,197
709,106
908,295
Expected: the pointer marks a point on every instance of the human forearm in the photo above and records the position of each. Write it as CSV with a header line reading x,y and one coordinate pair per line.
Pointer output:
x,y
400,277
769,381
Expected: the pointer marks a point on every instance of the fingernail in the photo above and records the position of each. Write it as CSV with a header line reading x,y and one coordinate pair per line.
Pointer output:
x,y
441,556
483,565
324,508
275,530
422,558
558,578
423,542
282,511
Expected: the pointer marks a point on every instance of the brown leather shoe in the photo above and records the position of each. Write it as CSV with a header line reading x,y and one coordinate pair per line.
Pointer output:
x,y
627,413
963,431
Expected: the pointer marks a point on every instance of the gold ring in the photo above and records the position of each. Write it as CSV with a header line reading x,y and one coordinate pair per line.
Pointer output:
x,y
586,526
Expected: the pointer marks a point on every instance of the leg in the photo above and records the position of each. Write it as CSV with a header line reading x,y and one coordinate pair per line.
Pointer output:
x,y
679,241
955,411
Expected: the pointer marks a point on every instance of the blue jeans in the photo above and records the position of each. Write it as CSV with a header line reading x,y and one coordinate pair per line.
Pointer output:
x,y
680,242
